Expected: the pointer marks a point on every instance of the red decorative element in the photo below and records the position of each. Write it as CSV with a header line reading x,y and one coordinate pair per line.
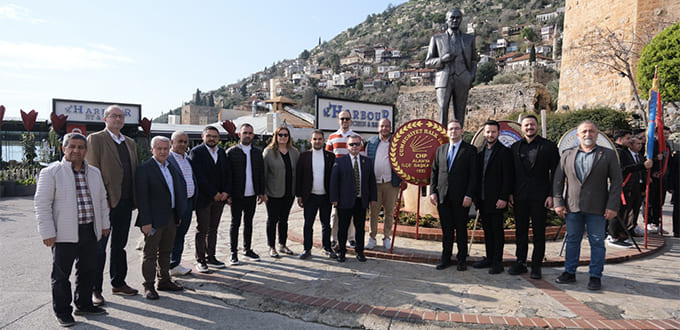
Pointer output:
x,y
29,119
413,147
146,125
229,126
2,113
58,121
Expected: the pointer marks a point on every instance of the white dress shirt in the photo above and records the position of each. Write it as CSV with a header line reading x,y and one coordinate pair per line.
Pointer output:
x,y
318,172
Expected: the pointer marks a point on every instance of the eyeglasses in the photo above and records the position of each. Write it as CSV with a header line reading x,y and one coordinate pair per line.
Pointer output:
x,y
114,116
282,135
345,118
354,144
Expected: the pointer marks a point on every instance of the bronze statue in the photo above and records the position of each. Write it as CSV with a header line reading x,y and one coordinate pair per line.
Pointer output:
x,y
452,53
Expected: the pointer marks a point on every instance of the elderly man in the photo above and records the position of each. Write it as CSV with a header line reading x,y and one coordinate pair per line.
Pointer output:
x,y
161,199
452,53
589,201
70,205
178,152
115,155
377,149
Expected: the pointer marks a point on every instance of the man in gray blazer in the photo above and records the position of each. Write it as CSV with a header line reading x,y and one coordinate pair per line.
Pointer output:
x,y
452,53
593,180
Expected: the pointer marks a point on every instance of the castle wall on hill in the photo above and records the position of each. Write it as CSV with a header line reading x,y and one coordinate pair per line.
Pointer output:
x,y
582,82
199,114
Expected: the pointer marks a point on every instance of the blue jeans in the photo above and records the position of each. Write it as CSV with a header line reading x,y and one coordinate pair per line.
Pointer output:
x,y
596,225
178,247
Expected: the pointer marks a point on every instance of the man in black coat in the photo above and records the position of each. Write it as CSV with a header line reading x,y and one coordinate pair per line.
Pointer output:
x,y
494,166
209,165
672,182
452,187
535,160
161,199
245,180
312,189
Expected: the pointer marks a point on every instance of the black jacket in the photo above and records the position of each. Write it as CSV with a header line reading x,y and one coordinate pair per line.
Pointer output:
x,y
236,171
535,183
211,177
304,176
496,180
154,203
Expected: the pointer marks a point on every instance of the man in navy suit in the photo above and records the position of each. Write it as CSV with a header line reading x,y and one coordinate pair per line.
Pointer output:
x,y
452,186
352,188
209,163
179,157
161,198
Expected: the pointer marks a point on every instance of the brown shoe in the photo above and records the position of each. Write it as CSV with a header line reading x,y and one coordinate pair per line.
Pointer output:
x,y
98,299
124,290
150,293
169,286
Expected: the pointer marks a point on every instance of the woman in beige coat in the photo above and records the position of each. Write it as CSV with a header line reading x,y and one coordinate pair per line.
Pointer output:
x,y
280,159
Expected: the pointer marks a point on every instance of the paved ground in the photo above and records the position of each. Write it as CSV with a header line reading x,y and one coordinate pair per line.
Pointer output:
x,y
381,293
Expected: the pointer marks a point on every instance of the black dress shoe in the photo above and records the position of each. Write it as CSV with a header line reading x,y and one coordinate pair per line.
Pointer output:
x,y
341,257
331,254
594,283
169,286
484,263
462,266
443,265
566,278
305,254
536,273
361,257
150,293
518,268
496,269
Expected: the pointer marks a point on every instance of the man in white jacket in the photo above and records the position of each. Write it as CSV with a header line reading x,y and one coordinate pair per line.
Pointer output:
x,y
72,214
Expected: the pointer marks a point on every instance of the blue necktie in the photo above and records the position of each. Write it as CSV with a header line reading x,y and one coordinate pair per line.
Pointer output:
x,y
449,157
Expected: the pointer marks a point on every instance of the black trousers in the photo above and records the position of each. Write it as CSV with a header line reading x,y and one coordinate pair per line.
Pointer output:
x,y
322,204
453,217
242,207
524,210
278,210
494,235
676,214
207,223
63,256
357,214
656,198
120,218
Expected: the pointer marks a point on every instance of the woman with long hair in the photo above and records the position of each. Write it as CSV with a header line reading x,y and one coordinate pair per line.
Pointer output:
x,y
280,159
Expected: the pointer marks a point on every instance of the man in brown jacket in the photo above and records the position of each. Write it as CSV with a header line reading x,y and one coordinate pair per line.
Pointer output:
x,y
115,155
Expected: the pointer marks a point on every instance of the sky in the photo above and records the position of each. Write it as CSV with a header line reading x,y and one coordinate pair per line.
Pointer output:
x,y
153,53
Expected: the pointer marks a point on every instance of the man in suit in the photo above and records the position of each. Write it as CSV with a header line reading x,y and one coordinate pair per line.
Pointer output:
x,y
161,199
534,162
72,213
388,182
631,199
209,163
179,158
672,182
352,190
494,168
590,200
452,186
115,155
312,187
245,180
452,53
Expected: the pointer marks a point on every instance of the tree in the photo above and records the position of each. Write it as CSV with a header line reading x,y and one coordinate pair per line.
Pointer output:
x,y
663,51
528,33
304,55
197,97
485,72
532,54
211,100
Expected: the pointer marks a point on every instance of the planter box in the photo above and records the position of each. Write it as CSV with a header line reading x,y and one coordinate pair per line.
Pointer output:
x,y
435,234
14,189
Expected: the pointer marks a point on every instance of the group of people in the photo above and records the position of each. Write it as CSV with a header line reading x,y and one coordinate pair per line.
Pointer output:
x,y
90,194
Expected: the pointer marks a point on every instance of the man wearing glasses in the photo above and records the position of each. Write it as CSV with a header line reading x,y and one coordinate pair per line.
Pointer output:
x,y
337,144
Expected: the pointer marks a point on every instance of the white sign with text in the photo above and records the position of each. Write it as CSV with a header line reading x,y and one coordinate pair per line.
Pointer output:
x,y
93,112
365,116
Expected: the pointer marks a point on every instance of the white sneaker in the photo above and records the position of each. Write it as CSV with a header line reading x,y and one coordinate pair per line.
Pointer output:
x,y
371,243
387,243
609,238
179,270
639,232
652,228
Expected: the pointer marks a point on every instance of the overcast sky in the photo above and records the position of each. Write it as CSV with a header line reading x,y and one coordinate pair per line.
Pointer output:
x,y
153,53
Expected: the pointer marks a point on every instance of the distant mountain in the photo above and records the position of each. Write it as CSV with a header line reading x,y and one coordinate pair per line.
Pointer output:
x,y
372,59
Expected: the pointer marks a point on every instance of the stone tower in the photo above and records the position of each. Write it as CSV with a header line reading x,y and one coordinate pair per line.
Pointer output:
x,y
584,83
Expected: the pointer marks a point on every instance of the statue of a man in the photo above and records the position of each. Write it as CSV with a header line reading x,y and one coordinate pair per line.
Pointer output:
x,y
452,53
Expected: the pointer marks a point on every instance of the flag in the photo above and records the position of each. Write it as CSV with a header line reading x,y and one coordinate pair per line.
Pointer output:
x,y
652,109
